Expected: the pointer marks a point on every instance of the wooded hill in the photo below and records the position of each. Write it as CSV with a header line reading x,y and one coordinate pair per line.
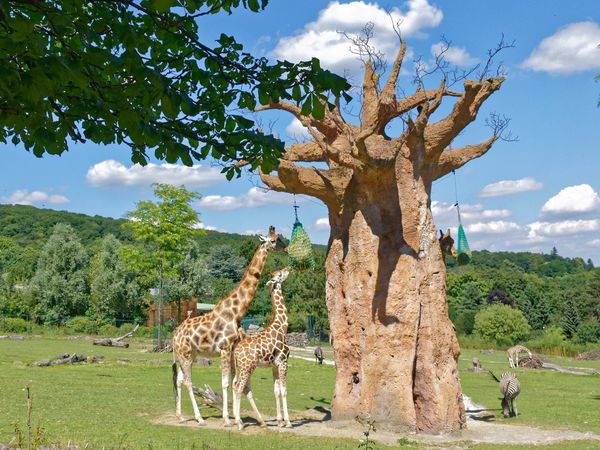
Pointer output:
x,y
549,289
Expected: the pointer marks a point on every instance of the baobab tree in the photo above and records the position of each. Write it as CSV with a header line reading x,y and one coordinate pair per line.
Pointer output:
x,y
394,345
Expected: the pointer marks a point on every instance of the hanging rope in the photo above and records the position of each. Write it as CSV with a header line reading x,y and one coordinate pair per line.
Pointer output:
x,y
300,248
463,250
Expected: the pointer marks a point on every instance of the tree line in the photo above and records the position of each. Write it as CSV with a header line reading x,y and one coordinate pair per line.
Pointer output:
x,y
57,265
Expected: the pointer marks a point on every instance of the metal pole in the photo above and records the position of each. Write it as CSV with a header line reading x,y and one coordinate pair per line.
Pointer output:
x,y
160,301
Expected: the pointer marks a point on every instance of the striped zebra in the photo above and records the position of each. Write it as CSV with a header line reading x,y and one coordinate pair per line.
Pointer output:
x,y
509,388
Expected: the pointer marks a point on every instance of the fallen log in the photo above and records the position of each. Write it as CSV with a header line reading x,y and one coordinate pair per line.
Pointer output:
x,y
13,337
115,342
66,358
209,397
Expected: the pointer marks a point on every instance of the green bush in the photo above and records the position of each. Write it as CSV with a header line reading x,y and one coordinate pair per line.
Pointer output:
x,y
144,331
588,332
465,322
14,325
108,330
82,325
502,324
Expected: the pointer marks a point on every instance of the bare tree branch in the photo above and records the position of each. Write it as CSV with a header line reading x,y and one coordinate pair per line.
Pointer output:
x,y
499,125
327,185
502,45
453,159
308,151
440,134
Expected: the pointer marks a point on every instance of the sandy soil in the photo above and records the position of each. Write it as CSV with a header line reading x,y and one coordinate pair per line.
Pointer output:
x,y
481,428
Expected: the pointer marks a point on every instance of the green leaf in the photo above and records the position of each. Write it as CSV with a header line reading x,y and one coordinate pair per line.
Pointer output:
x,y
263,96
170,105
253,5
296,94
307,106
318,111
163,5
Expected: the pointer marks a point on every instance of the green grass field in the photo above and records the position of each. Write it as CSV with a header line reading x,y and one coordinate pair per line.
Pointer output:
x,y
113,404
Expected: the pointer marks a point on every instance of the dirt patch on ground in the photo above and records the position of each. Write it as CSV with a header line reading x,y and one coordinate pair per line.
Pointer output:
x,y
481,428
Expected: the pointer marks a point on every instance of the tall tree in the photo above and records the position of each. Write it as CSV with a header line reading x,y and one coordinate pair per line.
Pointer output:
x,y
59,289
165,229
223,262
115,294
386,293
193,278
136,72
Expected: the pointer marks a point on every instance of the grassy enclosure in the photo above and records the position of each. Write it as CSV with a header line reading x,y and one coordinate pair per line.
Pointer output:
x,y
118,402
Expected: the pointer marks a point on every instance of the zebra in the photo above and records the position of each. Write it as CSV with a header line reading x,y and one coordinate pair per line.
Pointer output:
x,y
319,354
509,388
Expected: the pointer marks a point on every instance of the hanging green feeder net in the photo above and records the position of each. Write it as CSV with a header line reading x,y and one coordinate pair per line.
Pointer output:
x,y
300,248
464,252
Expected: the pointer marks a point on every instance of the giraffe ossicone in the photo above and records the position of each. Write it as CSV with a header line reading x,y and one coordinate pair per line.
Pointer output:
x,y
217,331
267,348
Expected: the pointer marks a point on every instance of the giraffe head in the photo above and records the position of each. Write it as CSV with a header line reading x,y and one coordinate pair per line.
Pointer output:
x,y
279,276
447,244
272,240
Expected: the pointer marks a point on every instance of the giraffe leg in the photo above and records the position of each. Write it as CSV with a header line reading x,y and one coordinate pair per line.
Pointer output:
x,y
250,397
186,368
178,385
517,357
510,362
238,390
283,392
225,377
277,391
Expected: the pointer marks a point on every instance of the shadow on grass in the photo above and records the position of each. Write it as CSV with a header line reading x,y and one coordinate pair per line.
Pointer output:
x,y
321,400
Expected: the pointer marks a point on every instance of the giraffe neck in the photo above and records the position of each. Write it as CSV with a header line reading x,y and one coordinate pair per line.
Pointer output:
x,y
280,315
246,288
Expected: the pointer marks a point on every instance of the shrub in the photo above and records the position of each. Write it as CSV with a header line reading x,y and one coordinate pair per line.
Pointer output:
x,y
502,324
144,331
588,331
82,325
108,330
465,322
14,325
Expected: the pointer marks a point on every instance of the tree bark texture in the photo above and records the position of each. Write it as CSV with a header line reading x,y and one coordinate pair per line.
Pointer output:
x,y
395,348
394,345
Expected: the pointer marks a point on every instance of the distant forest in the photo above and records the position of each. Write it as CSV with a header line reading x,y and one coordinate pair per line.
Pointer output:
x,y
554,294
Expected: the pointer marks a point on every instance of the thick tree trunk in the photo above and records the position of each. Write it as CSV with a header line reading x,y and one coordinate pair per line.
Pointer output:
x,y
395,347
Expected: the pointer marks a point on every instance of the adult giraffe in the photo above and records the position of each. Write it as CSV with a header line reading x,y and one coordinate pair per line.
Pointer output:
x,y
217,331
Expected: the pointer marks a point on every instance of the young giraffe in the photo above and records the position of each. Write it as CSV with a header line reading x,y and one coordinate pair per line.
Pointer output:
x,y
267,348
217,331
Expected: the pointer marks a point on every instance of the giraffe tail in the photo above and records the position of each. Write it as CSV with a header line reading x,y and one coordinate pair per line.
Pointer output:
x,y
174,375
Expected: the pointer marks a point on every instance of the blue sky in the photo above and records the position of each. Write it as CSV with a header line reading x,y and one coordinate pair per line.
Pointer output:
x,y
533,194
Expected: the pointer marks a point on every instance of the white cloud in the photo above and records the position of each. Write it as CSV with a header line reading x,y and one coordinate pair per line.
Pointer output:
x,y
573,48
445,213
322,40
454,55
509,187
594,243
203,226
578,199
25,197
254,198
113,173
543,230
321,224
296,131
494,227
